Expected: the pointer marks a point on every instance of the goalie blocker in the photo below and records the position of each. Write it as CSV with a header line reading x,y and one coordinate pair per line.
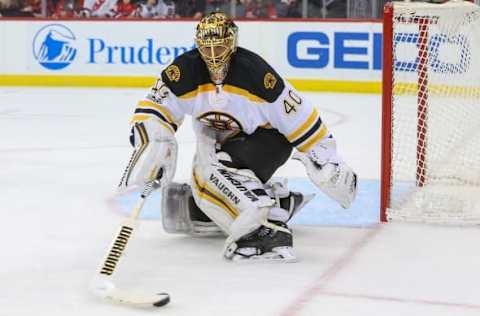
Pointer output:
x,y
155,151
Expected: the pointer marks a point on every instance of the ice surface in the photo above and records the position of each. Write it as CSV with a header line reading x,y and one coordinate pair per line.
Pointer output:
x,y
62,152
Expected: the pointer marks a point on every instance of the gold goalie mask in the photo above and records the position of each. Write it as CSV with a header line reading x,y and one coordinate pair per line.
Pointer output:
x,y
216,39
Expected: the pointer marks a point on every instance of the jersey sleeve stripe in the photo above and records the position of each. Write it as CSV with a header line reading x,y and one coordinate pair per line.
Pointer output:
x,y
156,114
313,129
312,118
309,143
204,192
150,104
137,118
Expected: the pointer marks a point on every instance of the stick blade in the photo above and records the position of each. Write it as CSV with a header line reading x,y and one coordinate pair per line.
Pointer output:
x,y
107,290
137,299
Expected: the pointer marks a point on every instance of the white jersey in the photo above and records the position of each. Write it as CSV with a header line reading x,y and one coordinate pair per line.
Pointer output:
x,y
252,96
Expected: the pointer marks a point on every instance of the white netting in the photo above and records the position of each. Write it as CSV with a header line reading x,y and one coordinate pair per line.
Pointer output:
x,y
435,172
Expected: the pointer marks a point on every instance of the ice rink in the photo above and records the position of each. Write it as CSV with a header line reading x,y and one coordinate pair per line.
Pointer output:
x,y
62,153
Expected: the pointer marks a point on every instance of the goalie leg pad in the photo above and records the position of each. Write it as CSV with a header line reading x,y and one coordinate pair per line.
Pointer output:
x,y
236,200
252,236
223,193
180,214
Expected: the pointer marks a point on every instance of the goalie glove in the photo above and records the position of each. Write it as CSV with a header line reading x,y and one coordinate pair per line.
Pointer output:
x,y
154,156
329,172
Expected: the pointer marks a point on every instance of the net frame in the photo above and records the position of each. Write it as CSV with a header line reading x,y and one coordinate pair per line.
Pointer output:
x,y
423,22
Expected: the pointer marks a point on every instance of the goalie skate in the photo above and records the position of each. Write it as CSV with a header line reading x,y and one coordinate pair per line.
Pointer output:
x,y
295,202
288,200
270,242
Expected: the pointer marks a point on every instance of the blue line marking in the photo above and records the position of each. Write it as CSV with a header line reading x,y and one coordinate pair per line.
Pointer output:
x,y
321,211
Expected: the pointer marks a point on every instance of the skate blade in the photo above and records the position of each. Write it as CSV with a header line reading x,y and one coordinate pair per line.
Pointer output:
x,y
277,255
306,198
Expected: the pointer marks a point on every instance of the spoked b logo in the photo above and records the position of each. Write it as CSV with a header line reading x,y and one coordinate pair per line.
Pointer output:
x,y
53,46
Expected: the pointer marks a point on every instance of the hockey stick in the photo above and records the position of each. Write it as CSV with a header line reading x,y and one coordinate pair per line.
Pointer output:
x,y
103,286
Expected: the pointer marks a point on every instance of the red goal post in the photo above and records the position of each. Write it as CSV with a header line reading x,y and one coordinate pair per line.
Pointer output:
x,y
431,113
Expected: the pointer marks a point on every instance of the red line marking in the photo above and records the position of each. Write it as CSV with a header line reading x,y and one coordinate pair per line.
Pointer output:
x,y
319,284
400,300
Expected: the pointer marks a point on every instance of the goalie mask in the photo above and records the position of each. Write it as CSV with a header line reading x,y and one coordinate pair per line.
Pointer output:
x,y
216,39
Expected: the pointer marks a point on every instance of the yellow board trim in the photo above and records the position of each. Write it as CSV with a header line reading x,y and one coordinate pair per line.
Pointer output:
x,y
403,88
77,81
344,86
148,81
314,85
312,118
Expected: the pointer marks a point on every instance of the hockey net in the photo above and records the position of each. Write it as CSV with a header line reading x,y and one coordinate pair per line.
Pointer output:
x,y
431,113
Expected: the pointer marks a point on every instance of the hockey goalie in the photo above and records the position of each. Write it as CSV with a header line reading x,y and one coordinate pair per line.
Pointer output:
x,y
247,121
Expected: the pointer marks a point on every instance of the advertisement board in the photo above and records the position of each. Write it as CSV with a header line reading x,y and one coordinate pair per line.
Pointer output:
x,y
311,55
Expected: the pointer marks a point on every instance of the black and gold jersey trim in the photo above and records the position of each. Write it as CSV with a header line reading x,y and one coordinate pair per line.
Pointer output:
x,y
146,109
191,73
309,133
243,92
248,75
158,115
205,88
319,134
250,72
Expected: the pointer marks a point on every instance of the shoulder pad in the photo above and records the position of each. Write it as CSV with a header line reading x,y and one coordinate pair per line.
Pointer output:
x,y
185,73
253,73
